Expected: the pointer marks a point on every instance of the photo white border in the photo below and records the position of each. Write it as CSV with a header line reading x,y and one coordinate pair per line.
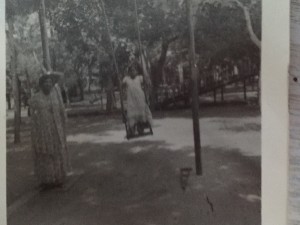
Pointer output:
x,y
2,116
275,61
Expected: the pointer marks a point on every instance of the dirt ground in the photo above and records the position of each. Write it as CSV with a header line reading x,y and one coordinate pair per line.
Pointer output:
x,y
139,182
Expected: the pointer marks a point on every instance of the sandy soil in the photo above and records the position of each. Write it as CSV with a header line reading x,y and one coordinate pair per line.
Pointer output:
x,y
139,182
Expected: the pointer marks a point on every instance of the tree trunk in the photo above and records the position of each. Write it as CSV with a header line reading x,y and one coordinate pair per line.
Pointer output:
x,y
157,72
53,57
81,89
44,36
89,84
180,73
253,36
294,110
90,77
109,95
15,85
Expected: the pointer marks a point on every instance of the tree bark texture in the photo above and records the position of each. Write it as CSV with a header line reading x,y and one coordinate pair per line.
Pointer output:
x,y
110,95
253,36
157,69
44,36
294,113
81,88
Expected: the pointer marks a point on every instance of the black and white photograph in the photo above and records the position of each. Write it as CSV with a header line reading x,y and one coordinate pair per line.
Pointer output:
x,y
133,112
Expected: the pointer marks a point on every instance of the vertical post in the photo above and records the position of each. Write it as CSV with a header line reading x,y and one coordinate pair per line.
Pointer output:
x,y
222,94
195,96
44,36
222,91
215,96
245,89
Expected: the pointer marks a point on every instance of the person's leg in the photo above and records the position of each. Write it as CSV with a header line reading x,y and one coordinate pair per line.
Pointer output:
x,y
140,127
149,116
131,126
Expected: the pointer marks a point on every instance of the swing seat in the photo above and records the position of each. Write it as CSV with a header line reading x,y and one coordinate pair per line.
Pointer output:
x,y
140,130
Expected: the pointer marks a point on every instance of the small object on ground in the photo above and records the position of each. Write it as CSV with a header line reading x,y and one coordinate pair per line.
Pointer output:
x,y
184,175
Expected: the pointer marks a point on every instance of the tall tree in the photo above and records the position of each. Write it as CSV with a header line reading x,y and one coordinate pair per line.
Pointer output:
x,y
246,6
161,24
11,12
213,20
246,10
44,36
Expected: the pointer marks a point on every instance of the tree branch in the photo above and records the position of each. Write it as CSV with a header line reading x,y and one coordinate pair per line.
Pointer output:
x,y
253,36
56,73
38,62
164,49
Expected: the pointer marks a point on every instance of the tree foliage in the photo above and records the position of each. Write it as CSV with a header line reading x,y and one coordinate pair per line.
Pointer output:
x,y
80,46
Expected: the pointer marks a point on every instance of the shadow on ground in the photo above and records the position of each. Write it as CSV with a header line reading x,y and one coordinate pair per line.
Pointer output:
x,y
122,186
139,183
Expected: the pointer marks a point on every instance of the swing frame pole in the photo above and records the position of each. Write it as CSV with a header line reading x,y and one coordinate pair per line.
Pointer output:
x,y
195,96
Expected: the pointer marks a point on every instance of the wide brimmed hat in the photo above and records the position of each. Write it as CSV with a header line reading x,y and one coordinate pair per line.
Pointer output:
x,y
53,75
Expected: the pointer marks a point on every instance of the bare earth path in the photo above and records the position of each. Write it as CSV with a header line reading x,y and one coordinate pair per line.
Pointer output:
x,y
138,182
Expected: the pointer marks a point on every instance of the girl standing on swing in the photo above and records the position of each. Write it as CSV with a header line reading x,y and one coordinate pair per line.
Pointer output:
x,y
138,112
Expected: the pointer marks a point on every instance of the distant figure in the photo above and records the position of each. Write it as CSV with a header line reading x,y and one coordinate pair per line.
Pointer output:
x,y
48,135
137,108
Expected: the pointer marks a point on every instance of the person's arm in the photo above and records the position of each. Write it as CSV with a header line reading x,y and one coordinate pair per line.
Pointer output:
x,y
61,103
141,79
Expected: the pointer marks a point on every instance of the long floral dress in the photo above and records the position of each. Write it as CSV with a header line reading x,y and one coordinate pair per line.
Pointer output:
x,y
51,158
137,108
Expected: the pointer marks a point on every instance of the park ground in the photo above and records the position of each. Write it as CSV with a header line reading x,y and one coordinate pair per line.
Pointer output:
x,y
138,182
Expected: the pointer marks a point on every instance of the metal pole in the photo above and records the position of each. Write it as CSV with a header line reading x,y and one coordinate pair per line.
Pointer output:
x,y
195,96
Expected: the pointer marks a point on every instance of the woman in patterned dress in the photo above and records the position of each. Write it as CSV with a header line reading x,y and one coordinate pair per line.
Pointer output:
x,y
51,160
137,109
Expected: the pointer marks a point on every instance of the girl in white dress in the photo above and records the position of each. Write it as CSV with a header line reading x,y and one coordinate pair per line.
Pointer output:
x,y
137,109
